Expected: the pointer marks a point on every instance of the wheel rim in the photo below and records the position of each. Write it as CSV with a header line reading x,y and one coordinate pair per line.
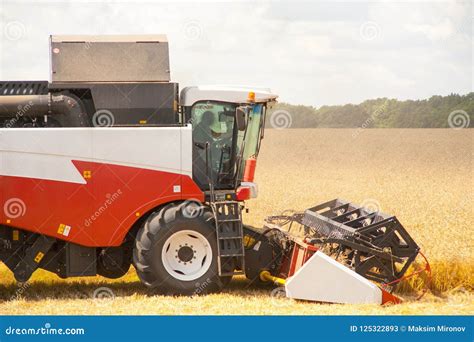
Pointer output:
x,y
186,255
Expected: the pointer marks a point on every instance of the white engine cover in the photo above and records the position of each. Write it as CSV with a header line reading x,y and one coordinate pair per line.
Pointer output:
x,y
323,279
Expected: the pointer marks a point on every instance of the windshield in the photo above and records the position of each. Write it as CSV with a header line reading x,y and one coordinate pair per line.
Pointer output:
x,y
252,138
224,160
213,123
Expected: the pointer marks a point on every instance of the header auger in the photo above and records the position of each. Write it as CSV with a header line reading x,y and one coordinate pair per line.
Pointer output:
x,y
109,165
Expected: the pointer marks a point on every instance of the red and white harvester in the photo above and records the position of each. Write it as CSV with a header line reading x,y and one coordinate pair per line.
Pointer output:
x,y
107,165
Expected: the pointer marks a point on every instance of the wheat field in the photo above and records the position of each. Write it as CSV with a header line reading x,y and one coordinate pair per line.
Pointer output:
x,y
423,176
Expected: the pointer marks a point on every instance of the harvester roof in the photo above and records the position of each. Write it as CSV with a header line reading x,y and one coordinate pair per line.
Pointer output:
x,y
234,94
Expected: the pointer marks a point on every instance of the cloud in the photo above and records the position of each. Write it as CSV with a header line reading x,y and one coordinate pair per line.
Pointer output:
x,y
309,53
440,31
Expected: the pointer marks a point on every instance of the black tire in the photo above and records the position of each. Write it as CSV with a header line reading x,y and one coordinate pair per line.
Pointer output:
x,y
150,244
114,262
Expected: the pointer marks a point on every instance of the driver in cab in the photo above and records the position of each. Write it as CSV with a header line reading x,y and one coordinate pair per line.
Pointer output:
x,y
217,133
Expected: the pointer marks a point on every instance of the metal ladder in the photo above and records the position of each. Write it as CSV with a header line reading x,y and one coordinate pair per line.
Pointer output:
x,y
230,235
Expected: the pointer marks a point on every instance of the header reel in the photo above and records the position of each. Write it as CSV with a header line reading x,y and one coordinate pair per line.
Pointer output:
x,y
347,243
373,244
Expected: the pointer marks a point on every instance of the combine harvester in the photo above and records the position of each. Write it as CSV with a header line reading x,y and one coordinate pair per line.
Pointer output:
x,y
106,166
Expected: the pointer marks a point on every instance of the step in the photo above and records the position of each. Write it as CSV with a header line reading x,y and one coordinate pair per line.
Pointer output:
x,y
230,237
227,220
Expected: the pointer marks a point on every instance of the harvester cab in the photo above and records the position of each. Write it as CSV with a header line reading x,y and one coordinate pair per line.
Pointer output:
x,y
107,165
228,124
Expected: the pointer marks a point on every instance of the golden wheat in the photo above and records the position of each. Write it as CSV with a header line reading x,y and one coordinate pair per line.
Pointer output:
x,y
424,177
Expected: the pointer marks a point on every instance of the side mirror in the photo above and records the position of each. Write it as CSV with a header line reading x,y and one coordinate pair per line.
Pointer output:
x,y
241,118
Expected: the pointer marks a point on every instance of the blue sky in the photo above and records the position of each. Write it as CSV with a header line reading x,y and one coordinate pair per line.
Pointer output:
x,y
313,53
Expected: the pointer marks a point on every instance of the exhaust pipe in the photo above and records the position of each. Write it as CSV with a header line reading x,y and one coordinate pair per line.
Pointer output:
x,y
69,106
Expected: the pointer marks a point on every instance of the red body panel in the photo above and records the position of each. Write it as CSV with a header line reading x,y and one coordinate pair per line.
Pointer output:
x,y
100,212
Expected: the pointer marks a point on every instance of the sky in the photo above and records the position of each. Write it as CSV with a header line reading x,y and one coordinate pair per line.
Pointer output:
x,y
309,52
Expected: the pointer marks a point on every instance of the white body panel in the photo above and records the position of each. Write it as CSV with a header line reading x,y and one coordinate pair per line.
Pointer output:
x,y
234,94
323,279
46,153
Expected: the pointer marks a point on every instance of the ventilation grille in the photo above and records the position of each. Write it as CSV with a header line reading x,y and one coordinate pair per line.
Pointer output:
x,y
10,88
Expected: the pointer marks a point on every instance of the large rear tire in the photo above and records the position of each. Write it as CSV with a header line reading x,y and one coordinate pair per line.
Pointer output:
x,y
176,253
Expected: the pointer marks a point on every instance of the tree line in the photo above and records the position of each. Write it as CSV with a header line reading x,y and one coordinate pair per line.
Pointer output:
x,y
453,110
